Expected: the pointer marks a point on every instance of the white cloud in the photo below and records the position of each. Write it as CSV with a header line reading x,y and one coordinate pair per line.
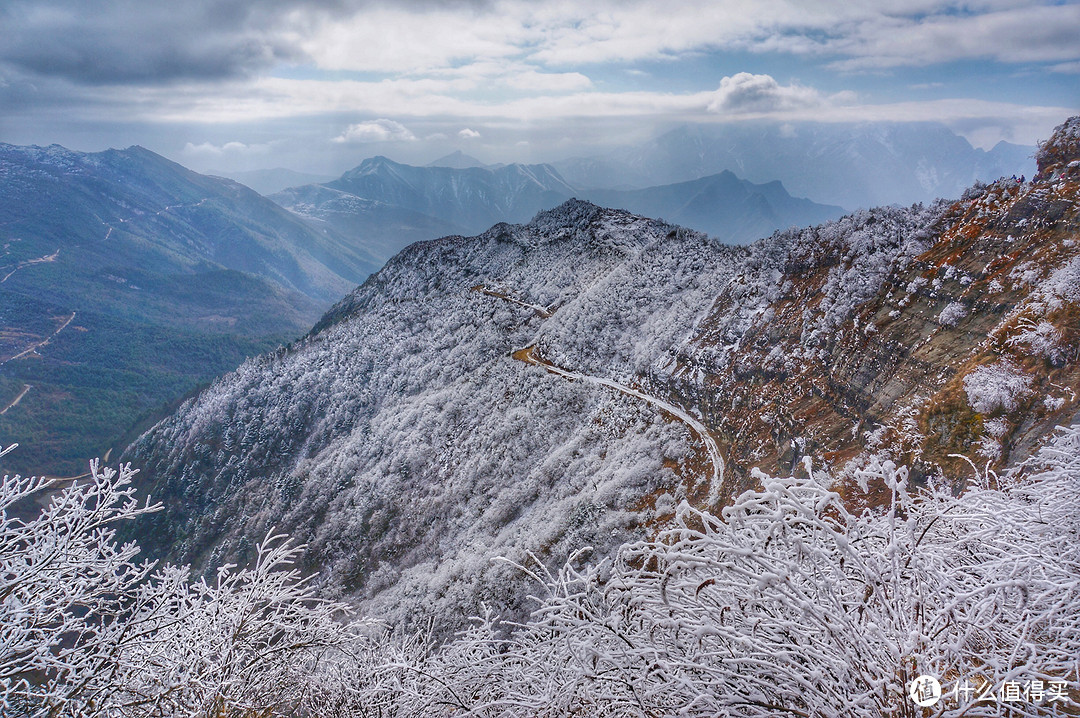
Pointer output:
x,y
1068,68
408,39
376,131
489,75
744,92
467,134
744,97
208,149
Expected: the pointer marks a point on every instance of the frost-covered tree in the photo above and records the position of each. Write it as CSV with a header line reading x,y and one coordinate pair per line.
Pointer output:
x,y
787,604
85,630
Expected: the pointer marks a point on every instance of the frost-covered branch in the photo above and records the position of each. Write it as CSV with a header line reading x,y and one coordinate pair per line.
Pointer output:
x,y
85,630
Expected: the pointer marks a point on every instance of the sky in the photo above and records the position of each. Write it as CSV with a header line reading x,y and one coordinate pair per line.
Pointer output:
x,y
318,85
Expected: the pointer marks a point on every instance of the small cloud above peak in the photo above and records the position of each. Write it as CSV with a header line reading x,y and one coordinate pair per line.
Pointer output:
x,y
209,149
468,134
381,130
747,93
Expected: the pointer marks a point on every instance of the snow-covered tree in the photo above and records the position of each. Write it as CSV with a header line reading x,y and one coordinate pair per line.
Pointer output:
x,y
85,630
789,603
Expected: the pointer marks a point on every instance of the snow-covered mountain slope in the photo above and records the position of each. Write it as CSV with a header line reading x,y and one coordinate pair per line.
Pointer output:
x,y
405,444
544,387
939,332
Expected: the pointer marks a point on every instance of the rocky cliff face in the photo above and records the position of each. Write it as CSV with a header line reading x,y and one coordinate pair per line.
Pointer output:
x,y
925,334
566,383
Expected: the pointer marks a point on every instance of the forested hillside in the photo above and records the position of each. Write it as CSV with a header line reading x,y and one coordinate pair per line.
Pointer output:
x,y
126,280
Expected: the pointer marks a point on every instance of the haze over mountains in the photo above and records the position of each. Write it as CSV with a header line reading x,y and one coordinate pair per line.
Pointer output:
x,y
166,240
390,204
272,180
731,181
127,279
851,165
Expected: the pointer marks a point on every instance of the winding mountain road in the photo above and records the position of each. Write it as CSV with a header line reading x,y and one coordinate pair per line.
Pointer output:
x,y
26,388
540,311
529,356
156,214
47,258
43,342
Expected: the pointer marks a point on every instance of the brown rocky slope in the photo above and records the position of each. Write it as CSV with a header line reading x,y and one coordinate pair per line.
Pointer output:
x,y
961,341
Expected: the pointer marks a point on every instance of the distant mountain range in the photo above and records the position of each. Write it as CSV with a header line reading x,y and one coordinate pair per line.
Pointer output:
x,y
731,181
473,198
389,204
851,165
722,205
126,279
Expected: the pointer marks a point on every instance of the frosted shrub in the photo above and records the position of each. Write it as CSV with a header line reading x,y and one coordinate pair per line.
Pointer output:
x,y
952,314
1042,338
87,631
996,386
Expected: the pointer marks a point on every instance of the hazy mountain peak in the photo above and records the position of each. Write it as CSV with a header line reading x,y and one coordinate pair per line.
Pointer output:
x,y
848,164
457,160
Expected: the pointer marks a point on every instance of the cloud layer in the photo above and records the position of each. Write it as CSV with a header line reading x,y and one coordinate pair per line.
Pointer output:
x,y
370,72
122,41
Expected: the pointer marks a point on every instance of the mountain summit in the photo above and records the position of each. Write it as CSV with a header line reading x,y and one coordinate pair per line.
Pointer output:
x,y
459,160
